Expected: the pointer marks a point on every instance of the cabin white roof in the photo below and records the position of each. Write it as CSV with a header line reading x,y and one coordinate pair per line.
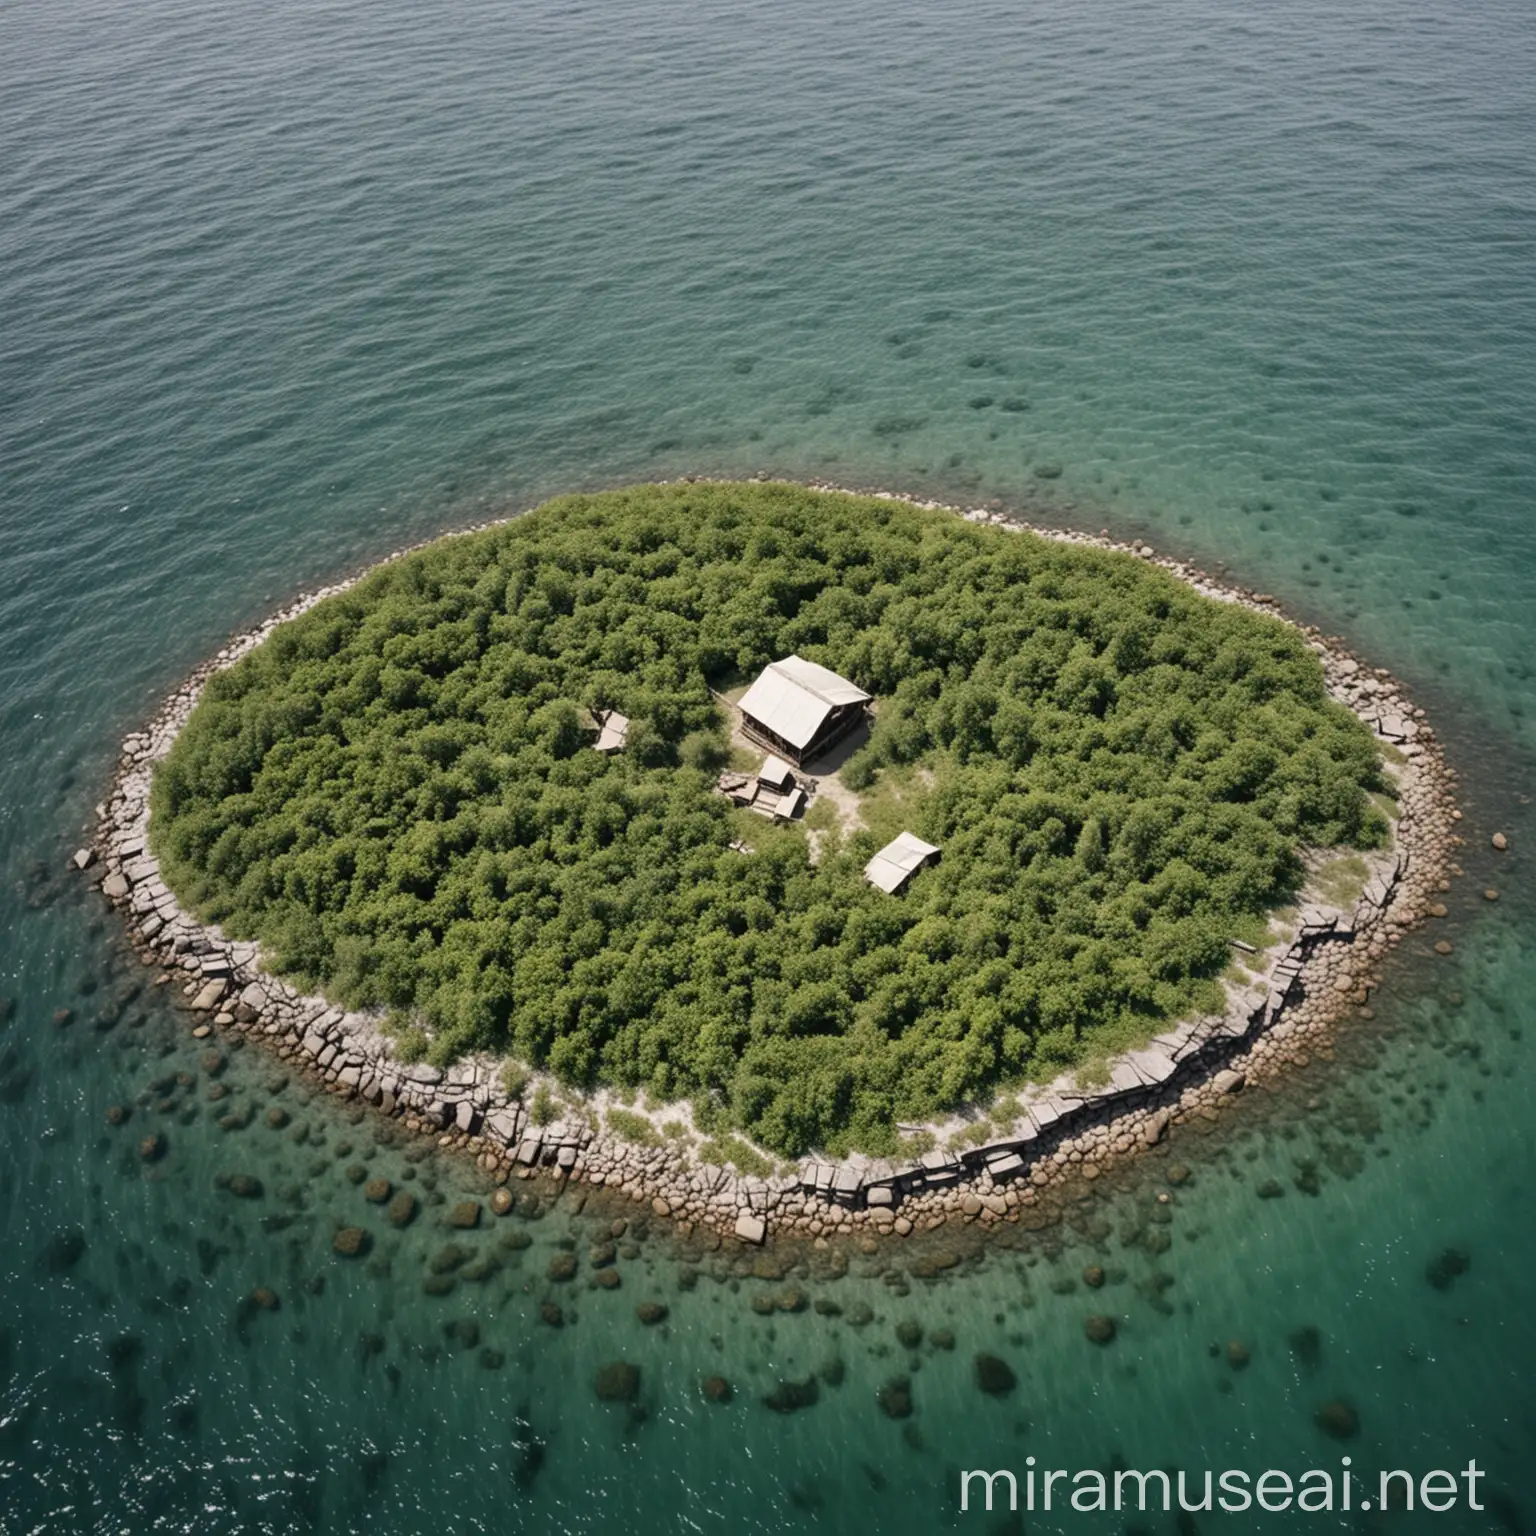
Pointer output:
x,y
793,698
898,861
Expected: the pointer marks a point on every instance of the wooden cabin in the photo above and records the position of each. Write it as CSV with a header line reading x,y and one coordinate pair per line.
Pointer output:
x,y
797,709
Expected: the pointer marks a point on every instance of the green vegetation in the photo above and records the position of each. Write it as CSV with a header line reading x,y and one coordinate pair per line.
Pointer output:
x,y
628,1126
1340,880
544,1108
396,795
732,1151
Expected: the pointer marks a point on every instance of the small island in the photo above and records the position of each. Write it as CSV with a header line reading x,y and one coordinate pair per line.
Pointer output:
x,y
700,826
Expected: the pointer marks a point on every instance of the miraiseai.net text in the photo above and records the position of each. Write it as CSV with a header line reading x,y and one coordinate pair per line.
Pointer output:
x,y
1314,1491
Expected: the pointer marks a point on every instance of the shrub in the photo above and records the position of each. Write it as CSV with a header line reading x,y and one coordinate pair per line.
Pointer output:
x,y
733,1151
628,1126
543,1109
704,750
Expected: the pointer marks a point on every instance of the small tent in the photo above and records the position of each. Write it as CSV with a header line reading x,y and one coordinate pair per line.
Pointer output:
x,y
612,731
898,861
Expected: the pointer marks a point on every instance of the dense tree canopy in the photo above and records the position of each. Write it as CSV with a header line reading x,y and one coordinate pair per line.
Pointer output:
x,y
396,794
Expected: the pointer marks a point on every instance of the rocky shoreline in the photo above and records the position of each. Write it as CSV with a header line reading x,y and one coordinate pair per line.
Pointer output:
x,y
1328,965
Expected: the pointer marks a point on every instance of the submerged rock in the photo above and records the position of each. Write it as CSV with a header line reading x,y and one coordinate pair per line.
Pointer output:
x,y
449,1258
1238,1355
716,1389
929,1266
529,1447
1093,1276
463,1333
617,1383
481,1269
789,1396
1307,1346
465,1215
562,1267
402,1209
895,1398
651,1312
909,1333
550,1312
1099,1328
245,1185
123,1353
1338,1419
994,1377
152,1147
378,1191
1446,1266
63,1250
265,1298
350,1242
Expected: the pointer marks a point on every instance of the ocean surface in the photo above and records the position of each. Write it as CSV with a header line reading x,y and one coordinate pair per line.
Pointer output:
x,y
285,286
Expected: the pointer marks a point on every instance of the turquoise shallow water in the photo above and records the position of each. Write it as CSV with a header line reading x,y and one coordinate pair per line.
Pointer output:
x,y
285,287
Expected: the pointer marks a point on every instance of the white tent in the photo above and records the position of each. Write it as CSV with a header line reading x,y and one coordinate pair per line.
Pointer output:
x,y
898,861
613,731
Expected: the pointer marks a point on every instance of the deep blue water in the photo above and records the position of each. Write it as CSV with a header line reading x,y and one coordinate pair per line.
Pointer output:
x,y
285,286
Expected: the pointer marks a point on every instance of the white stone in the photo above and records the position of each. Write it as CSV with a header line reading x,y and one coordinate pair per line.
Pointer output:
x,y
208,998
